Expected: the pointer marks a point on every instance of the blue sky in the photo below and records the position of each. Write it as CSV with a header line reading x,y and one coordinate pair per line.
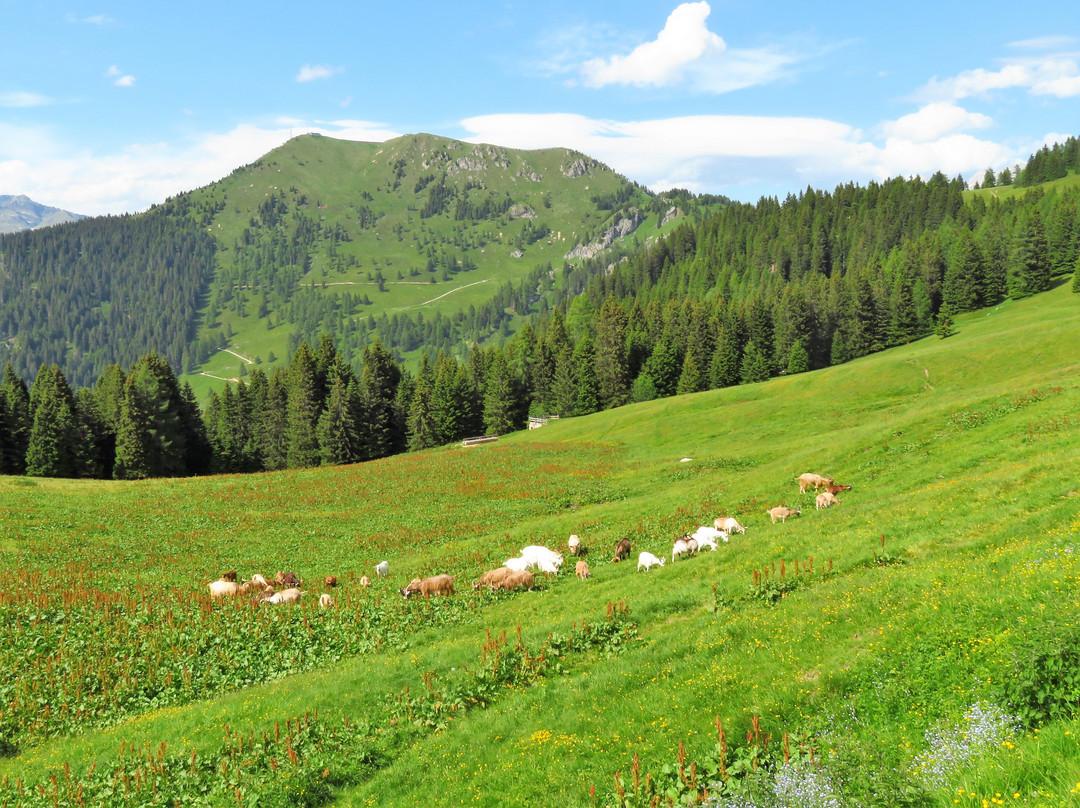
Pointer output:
x,y
110,107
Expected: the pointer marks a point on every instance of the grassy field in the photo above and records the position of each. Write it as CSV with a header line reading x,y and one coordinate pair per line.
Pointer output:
x,y
913,645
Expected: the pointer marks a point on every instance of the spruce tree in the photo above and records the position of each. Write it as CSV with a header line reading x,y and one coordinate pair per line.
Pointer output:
x,y
963,284
692,377
52,447
798,359
420,423
756,367
1076,277
564,390
272,425
133,439
336,430
1029,265
501,398
588,397
17,423
612,382
663,367
303,410
379,380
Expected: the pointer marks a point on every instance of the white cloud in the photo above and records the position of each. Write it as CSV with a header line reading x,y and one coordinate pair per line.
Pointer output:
x,y
120,79
661,62
96,19
1044,43
935,121
70,177
1053,74
23,99
312,72
687,52
752,155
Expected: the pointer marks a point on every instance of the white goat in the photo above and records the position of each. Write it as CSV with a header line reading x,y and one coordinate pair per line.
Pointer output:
x,y
684,546
290,595
728,524
647,560
382,569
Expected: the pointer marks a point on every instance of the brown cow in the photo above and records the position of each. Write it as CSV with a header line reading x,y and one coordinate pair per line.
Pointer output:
x,y
435,585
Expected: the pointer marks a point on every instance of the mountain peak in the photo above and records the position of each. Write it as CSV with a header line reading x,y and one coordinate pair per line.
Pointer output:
x,y
22,213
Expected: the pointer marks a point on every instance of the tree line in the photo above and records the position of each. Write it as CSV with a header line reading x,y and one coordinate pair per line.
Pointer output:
x,y
750,292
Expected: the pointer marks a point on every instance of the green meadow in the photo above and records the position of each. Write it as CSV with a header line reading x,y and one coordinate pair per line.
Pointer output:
x,y
914,644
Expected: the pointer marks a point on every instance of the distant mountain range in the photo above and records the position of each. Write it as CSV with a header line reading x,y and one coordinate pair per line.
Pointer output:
x,y
23,213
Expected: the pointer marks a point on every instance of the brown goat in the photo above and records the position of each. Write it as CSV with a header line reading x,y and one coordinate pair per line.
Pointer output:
x,y
811,480
582,570
515,579
622,550
492,577
435,585
836,488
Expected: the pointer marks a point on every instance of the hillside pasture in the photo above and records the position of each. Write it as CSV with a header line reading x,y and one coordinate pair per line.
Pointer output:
x,y
871,637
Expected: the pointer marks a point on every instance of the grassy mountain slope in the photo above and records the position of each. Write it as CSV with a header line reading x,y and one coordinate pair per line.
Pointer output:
x,y
419,224
953,556
1008,191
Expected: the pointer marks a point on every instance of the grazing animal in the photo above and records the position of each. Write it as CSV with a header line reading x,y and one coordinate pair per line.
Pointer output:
x,y
782,512
825,499
582,570
290,595
574,544
227,589
325,601
836,488
259,581
365,581
492,577
382,569
330,580
435,585
622,550
517,564
229,576
515,579
811,480
709,535
646,560
288,579
729,524
687,545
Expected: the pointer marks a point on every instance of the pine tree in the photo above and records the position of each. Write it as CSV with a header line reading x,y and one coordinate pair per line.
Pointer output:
x,y
663,367
336,430
421,424
612,381
272,423
53,442
379,380
17,422
303,411
798,359
945,321
133,439
448,399
564,390
643,388
692,377
161,398
1029,265
1076,277
501,398
588,397
755,365
963,285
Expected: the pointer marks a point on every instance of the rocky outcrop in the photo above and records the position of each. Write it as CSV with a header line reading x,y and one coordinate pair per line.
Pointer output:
x,y
519,211
621,229
672,213
580,167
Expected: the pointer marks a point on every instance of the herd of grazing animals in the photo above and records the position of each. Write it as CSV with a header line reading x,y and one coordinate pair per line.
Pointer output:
x,y
285,587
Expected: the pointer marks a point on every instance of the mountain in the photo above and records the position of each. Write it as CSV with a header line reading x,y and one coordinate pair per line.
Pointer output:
x,y
422,241
22,213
